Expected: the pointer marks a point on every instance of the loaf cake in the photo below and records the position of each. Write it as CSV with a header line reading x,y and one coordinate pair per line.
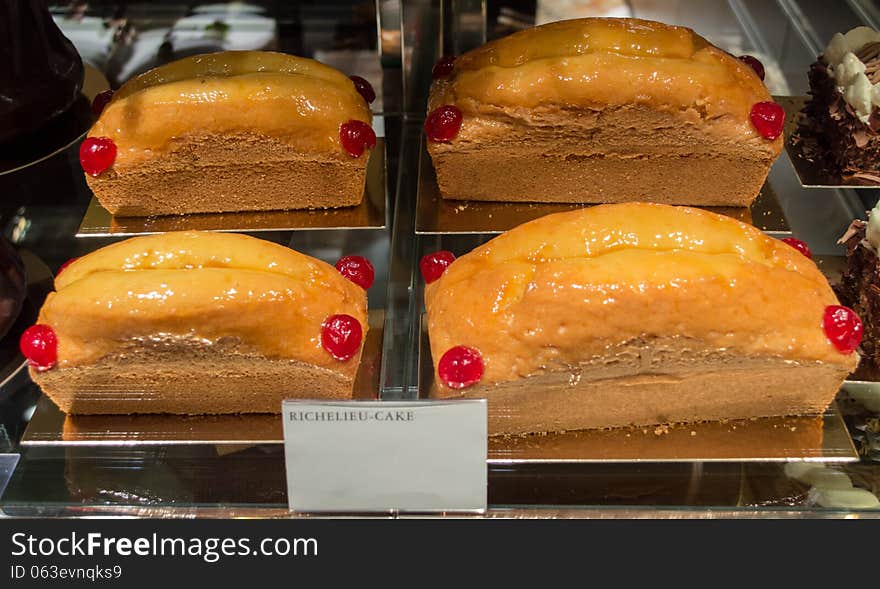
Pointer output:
x,y
637,314
231,131
842,119
196,323
859,286
602,110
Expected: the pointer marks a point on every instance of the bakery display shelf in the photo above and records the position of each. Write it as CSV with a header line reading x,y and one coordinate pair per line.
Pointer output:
x,y
232,466
370,214
49,426
39,284
812,172
810,438
437,216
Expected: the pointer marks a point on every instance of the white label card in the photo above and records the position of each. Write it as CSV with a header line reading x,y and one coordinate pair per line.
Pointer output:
x,y
345,456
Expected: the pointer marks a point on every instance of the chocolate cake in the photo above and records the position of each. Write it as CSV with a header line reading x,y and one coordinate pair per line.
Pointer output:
x,y
841,122
42,73
859,287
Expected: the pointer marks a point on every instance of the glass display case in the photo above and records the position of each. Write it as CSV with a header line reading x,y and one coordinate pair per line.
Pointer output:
x,y
394,44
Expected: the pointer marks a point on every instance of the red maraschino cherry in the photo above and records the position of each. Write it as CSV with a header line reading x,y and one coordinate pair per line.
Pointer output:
x,y
443,124
96,154
101,100
434,265
39,345
364,88
768,118
754,63
799,245
843,327
356,137
64,266
358,269
460,367
443,67
341,336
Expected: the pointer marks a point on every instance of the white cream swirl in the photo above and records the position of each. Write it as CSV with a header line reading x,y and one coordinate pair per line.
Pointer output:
x,y
872,231
849,71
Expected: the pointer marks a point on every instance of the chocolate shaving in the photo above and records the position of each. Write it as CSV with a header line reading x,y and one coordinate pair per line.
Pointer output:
x,y
853,229
867,176
869,52
874,120
870,56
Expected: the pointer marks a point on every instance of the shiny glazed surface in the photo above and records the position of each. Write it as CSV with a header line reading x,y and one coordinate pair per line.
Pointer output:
x,y
573,286
595,62
297,100
199,287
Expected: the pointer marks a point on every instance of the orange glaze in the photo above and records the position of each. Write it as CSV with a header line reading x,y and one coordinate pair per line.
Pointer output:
x,y
199,286
571,286
594,62
296,100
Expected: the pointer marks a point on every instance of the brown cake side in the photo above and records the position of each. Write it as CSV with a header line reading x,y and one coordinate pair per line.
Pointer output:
x,y
660,382
216,173
604,155
189,380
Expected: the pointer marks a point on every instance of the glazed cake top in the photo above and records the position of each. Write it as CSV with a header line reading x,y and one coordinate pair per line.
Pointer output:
x,y
596,62
574,286
296,100
203,287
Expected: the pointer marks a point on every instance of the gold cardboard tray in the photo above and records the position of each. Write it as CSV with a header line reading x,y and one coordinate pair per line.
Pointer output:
x,y
816,439
49,426
820,438
370,214
812,173
435,215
